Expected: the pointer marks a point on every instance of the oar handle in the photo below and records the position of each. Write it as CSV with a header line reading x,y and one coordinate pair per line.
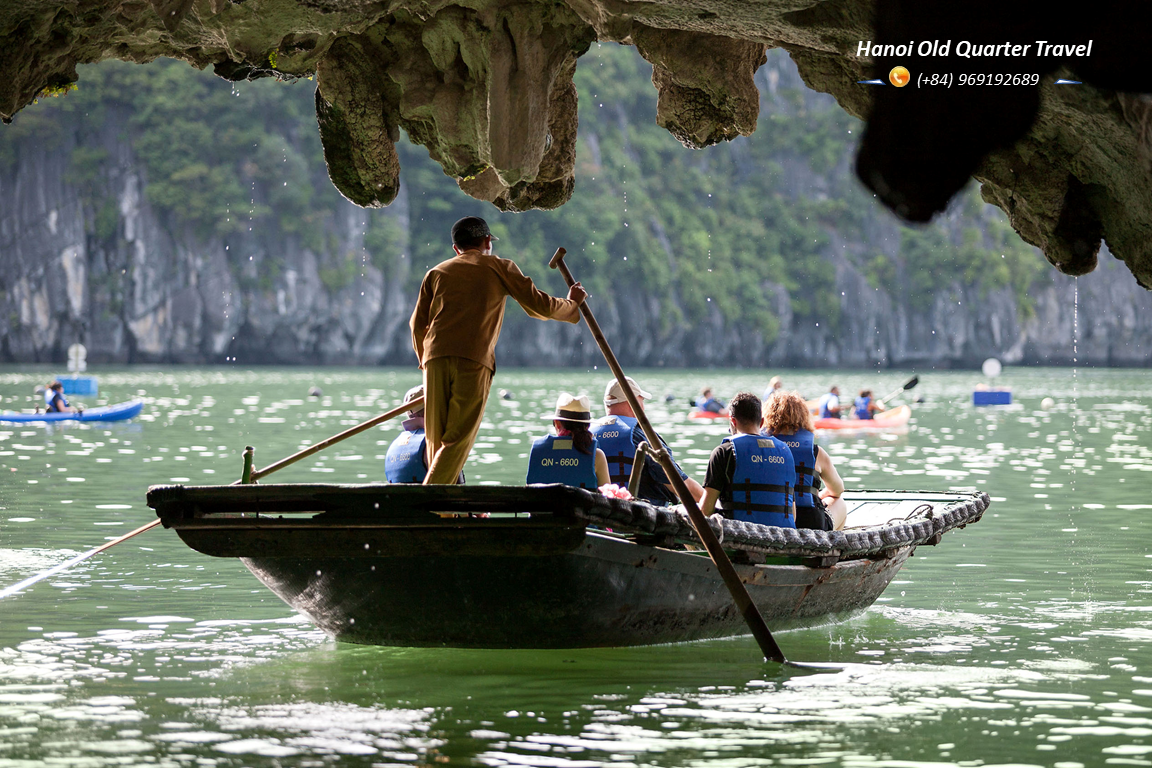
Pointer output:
x,y
719,557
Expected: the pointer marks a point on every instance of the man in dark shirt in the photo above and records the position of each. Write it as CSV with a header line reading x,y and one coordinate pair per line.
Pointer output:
x,y
764,495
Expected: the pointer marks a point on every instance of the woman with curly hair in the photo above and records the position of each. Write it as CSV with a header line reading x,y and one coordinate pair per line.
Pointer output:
x,y
786,418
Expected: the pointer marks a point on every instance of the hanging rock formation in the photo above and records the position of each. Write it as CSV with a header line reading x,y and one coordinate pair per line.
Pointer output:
x,y
486,86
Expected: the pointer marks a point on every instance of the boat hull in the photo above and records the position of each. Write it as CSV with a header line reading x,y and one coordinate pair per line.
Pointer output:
x,y
117,412
605,592
894,419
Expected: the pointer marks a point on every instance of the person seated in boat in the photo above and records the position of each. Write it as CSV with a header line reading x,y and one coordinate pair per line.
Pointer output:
x,y
774,385
54,401
751,475
829,404
865,406
618,434
407,460
786,418
710,403
571,456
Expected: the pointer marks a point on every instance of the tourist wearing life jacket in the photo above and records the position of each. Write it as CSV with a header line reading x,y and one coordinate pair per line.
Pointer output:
x,y
865,406
570,456
829,405
618,434
407,459
774,384
786,418
753,476
54,401
708,402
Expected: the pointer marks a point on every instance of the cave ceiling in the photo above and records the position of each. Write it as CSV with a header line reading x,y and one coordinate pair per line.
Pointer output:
x,y
486,86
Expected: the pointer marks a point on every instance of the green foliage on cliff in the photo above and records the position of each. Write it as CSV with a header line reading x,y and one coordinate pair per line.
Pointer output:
x,y
741,231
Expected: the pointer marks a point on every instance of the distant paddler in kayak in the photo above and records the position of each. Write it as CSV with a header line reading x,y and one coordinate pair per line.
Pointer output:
x,y
775,384
571,456
618,435
786,418
54,401
865,406
828,406
455,327
709,403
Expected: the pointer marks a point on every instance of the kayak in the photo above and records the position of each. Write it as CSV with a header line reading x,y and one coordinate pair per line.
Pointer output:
x,y
707,415
117,412
893,418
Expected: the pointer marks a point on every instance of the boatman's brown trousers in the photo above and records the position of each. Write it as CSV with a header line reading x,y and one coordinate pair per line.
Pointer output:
x,y
455,391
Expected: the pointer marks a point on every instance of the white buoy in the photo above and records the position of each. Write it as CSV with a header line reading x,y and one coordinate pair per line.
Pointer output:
x,y
991,367
1047,404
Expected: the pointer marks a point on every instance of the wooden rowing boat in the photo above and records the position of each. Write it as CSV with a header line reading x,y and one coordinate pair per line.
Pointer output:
x,y
550,567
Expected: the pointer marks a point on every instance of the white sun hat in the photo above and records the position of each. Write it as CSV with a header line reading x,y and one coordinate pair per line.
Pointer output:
x,y
412,394
572,408
614,393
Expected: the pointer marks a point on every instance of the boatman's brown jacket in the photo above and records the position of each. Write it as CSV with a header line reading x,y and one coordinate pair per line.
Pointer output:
x,y
461,307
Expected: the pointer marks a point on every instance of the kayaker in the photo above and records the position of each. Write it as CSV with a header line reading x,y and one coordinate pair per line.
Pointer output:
x,y
455,327
708,402
406,460
54,401
786,418
751,475
618,434
829,404
571,456
774,385
865,406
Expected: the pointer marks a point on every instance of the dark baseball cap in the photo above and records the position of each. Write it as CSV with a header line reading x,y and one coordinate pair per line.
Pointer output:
x,y
469,230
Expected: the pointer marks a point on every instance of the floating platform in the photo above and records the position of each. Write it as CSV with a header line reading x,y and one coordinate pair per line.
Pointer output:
x,y
79,385
992,397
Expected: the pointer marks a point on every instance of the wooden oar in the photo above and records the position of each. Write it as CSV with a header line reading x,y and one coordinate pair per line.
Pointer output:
x,y
719,557
907,386
249,476
411,405
78,559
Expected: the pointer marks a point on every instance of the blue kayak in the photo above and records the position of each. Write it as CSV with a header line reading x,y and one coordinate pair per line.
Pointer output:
x,y
117,412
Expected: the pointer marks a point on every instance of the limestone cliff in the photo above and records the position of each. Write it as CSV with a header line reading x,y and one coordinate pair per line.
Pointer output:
x,y
87,255
486,86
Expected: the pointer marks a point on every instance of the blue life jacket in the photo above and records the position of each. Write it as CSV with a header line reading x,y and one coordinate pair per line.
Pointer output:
x,y
614,437
803,447
862,409
554,460
824,412
712,405
762,481
404,462
54,402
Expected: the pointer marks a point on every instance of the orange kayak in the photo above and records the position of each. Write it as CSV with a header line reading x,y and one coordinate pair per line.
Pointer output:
x,y
893,418
707,415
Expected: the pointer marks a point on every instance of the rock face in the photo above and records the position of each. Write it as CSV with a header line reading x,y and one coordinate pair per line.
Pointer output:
x,y
150,294
486,87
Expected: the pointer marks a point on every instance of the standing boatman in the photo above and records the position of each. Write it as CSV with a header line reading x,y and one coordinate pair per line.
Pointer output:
x,y
455,327
407,460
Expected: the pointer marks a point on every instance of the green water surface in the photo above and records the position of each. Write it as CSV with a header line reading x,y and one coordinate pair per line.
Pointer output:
x,y
1022,640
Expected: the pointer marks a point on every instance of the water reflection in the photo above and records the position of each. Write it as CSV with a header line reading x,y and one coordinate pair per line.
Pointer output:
x,y
1022,640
